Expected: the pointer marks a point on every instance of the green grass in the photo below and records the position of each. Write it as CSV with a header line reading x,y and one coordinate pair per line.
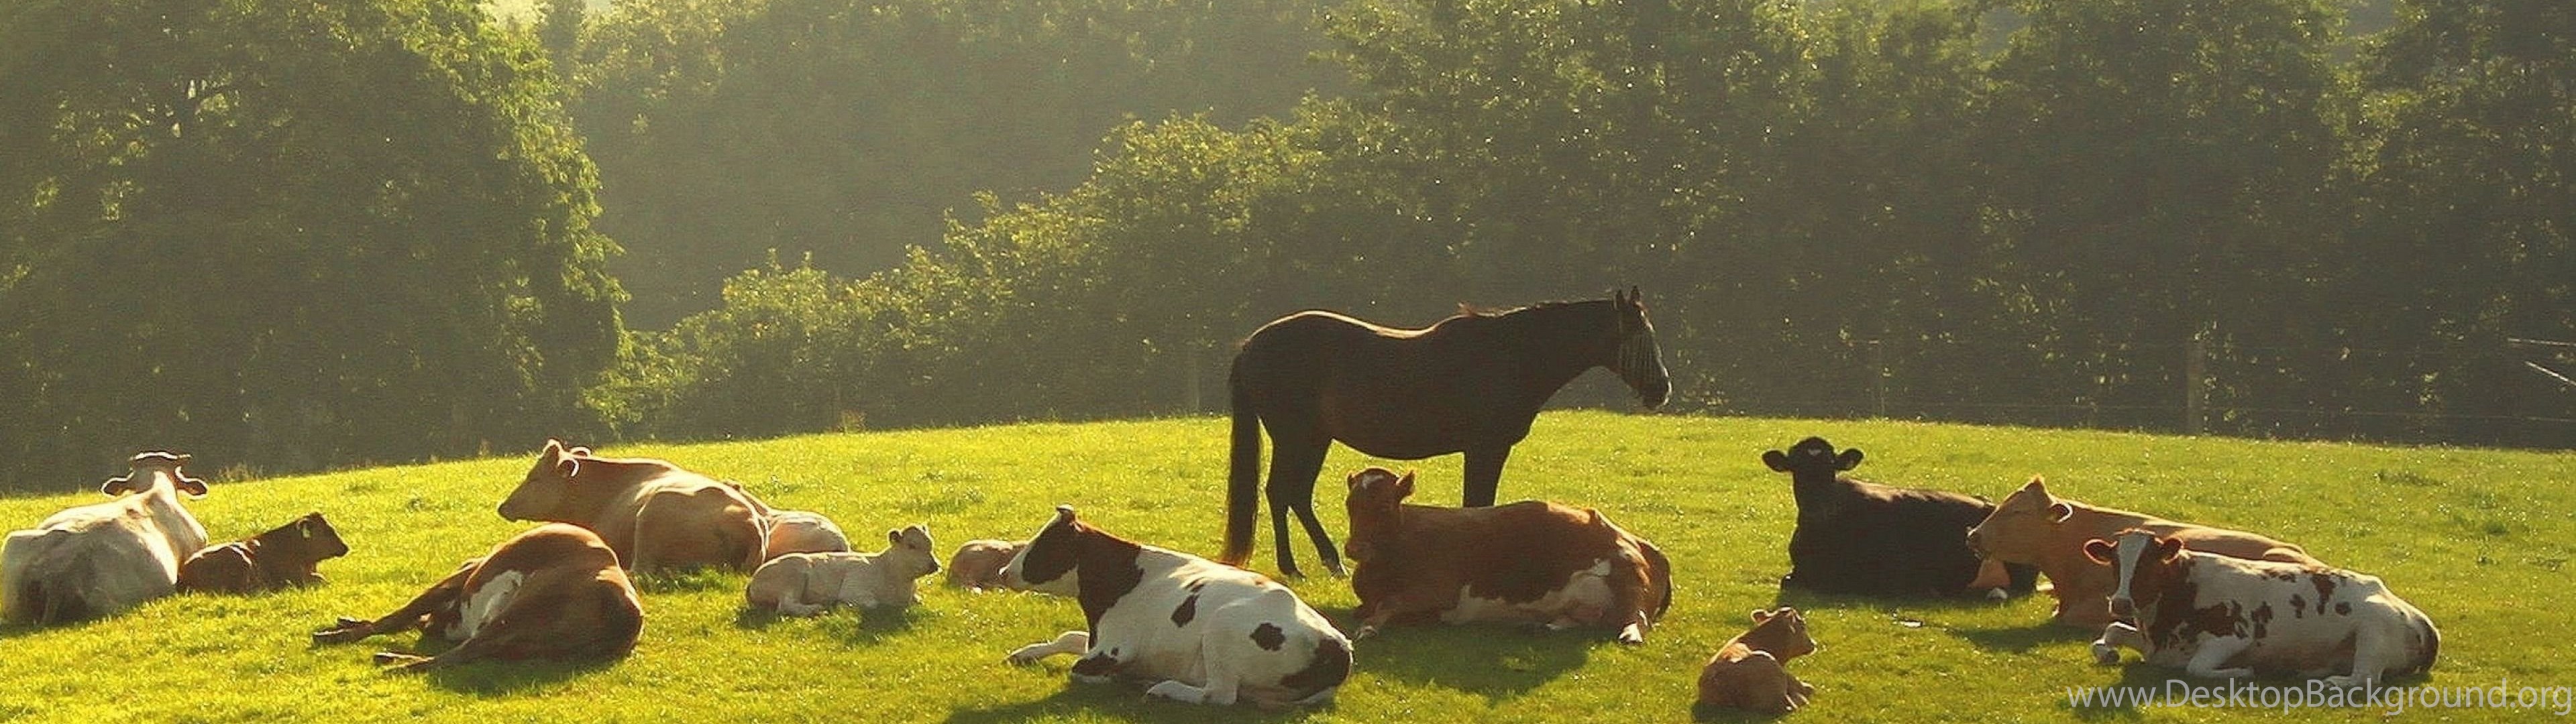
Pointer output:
x,y
2478,539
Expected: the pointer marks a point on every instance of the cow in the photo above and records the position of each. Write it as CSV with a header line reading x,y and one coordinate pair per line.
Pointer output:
x,y
554,592
283,557
978,564
799,531
2033,527
1530,561
1203,632
102,558
1862,538
654,515
804,584
2221,617
1752,670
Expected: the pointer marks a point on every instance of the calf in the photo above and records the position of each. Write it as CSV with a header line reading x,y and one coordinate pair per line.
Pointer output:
x,y
554,592
1863,538
798,531
1530,561
803,584
978,564
653,514
1205,632
284,557
1752,670
102,558
2223,617
2032,527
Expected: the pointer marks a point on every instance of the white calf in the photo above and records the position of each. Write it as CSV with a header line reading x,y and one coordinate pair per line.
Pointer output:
x,y
803,584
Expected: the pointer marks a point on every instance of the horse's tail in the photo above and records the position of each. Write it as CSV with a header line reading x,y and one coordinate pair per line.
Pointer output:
x,y
1243,480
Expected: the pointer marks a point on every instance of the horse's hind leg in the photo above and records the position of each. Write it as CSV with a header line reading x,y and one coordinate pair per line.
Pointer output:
x,y
1484,474
1293,467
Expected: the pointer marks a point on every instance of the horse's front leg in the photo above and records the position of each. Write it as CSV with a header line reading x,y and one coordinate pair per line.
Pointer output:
x,y
1484,474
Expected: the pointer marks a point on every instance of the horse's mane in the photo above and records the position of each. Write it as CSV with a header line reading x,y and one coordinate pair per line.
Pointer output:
x,y
1468,310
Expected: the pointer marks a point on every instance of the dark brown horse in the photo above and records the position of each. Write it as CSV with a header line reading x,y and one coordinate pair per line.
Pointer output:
x,y
1470,383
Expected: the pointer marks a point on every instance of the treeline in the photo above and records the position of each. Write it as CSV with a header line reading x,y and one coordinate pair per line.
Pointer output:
x,y
2049,211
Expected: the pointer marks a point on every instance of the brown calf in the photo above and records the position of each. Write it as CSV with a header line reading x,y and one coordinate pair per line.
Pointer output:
x,y
554,592
2033,527
655,515
284,557
1530,561
978,564
1751,671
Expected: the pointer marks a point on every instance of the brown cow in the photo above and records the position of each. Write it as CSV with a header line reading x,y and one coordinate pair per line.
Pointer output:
x,y
1752,670
1530,561
2032,527
554,592
655,515
283,557
978,564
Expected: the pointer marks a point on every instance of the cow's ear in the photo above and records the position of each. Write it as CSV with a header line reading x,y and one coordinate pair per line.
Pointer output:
x,y
2036,485
1848,460
1760,615
2059,511
894,536
194,487
1404,486
578,451
2168,549
566,467
114,486
1779,461
2099,550
1064,513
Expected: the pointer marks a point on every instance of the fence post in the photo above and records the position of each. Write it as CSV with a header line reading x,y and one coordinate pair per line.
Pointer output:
x,y
2194,383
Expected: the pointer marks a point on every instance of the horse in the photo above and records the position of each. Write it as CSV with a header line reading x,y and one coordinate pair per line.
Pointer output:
x,y
1471,383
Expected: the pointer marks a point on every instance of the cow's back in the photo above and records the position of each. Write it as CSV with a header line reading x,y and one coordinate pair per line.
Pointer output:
x,y
1875,538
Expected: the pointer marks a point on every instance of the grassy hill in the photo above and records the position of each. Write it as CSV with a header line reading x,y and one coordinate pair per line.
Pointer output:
x,y
2478,539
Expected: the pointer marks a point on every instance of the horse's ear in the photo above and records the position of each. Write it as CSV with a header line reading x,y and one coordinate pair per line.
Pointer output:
x,y
1404,486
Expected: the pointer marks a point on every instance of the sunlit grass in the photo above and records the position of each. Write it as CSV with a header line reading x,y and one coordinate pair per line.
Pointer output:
x,y
2478,539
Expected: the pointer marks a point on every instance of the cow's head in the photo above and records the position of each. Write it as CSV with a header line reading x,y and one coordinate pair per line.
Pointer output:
x,y
1781,631
2022,526
541,494
1376,498
909,549
147,469
1812,458
2147,565
312,536
1634,354
1047,564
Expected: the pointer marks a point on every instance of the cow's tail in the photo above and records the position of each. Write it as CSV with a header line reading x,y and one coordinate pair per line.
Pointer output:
x,y
1243,476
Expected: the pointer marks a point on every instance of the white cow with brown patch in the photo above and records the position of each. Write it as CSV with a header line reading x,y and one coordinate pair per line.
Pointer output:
x,y
1203,632
102,558
2221,617
2036,528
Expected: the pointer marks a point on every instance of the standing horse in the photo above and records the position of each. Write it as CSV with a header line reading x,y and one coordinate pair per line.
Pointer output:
x,y
1470,383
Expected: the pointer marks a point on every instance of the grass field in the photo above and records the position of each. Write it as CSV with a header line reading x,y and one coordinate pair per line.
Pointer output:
x,y
2478,539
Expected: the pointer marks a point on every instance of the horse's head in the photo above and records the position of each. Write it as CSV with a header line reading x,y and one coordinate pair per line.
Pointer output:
x,y
1634,355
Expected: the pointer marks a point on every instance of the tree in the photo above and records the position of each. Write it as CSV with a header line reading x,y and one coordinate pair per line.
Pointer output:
x,y
287,237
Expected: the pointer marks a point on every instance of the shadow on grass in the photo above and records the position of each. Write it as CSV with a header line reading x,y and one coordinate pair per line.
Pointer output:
x,y
696,580
488,678
1495,661
1724,714
1124,701
2022,639
16,630
855,626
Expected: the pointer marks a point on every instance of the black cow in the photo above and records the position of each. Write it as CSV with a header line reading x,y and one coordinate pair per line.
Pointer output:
x,y
1864,538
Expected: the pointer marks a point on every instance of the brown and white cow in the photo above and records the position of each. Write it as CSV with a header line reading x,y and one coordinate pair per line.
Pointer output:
x,y
2033,527
282,557
800,531
804,584
1530,561
2222,617
554,592
1205,632
977,566
101,558
655,515
1751,670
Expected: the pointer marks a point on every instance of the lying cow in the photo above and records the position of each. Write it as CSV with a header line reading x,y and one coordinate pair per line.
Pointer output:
x,y
554,592
978,565
655,515
102,558
804,584
1752,670
2032,527
284,557
799,531
1205,632
1530,561
1863,538
2221,617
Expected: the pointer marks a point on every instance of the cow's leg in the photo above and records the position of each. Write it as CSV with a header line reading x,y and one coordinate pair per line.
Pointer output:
x,y
1071,642
2210,662
1484,469
2373,652
1294,463
793,602
2106,650
441,595
1218,693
